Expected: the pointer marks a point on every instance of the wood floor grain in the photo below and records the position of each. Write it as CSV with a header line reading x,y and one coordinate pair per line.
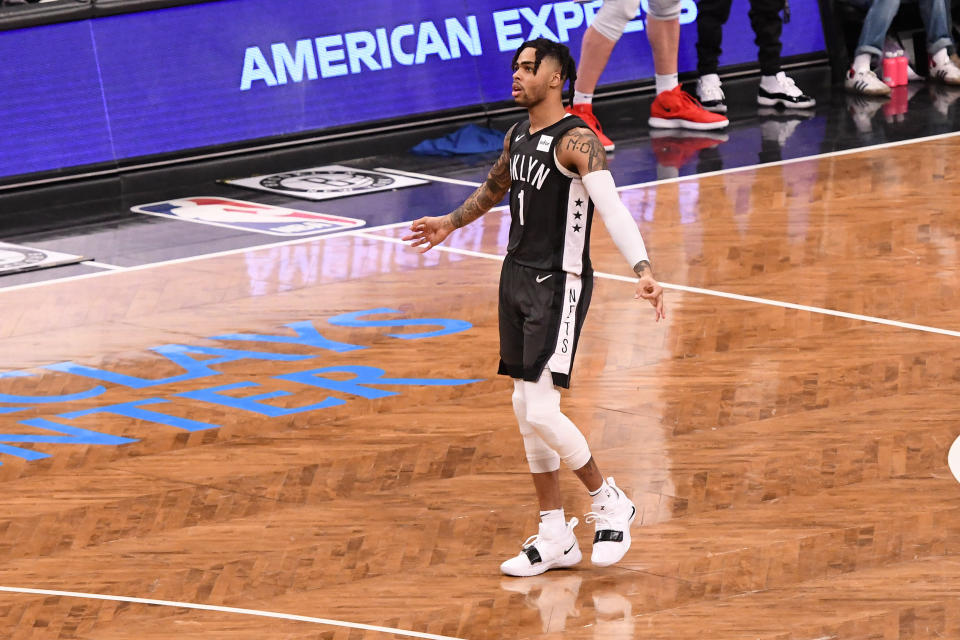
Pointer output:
x,y
790,467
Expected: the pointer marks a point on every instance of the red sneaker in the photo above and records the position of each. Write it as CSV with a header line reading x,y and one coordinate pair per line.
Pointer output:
x,y
585,112
677,109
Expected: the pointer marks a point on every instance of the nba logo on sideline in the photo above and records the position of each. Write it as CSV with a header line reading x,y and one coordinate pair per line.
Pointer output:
x,y
249,216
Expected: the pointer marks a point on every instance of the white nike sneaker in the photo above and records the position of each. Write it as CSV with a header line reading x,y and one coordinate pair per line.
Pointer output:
x,y
611,537
784,94
542,553
710,93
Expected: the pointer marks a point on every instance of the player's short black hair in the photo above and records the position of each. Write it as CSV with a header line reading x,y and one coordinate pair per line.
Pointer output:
x,y
545,48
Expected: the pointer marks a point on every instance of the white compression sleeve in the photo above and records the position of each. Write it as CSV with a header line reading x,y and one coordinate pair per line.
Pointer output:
x,y
602,190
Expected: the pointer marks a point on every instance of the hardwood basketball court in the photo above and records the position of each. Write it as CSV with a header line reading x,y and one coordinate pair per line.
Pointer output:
x,y
790,464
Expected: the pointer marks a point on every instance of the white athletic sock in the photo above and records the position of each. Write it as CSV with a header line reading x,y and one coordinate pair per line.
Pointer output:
x,y
941,57
605,494
666,82
582,98
861,62
554,522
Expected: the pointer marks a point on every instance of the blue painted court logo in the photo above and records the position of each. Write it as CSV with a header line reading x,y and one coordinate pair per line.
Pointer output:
x,y
249,216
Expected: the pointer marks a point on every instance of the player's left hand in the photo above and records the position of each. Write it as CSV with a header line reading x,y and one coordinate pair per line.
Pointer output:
x,y
649,290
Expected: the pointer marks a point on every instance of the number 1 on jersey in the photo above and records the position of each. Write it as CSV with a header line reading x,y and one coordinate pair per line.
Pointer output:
x,y
520,208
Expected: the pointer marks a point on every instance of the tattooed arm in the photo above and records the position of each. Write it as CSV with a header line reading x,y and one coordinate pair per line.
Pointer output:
x,y
488,194
579,150
643,268
430,231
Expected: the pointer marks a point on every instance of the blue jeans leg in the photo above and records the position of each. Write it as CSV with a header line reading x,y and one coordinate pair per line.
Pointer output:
x,y
875,26
934,14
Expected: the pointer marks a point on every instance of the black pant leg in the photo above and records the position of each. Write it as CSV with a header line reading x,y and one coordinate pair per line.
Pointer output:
x,y
767,24
711,16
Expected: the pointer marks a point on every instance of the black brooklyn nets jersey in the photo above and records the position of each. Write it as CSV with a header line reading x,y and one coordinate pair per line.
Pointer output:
x,y
550,212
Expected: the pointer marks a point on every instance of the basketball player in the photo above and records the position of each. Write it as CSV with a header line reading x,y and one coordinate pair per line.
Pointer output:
x,y
556,171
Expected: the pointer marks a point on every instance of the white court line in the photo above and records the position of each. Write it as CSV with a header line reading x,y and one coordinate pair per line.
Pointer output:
x,y
204,256
102,265
463,252
477,184
778,163
210,607
798,307
424,176
706,292
719,172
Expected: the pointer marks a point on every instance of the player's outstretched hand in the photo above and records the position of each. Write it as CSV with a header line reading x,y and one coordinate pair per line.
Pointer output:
x,y
649,290
426,233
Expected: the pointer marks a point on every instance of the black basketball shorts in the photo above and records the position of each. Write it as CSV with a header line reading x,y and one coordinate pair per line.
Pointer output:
x,y
541,315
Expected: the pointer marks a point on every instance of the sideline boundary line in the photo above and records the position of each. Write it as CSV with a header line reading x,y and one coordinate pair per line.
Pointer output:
x,y
236,610
204,256
693,176
707,292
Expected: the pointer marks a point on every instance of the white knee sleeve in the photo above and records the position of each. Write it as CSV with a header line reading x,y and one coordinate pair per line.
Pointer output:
x,y
663,9
542,402
540,457
613,17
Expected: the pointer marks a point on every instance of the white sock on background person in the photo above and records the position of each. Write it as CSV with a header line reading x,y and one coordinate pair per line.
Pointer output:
x,y
666,82
861,62
582,98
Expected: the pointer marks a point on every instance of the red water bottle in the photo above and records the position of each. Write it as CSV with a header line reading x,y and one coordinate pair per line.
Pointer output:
x,y
901,69
889,69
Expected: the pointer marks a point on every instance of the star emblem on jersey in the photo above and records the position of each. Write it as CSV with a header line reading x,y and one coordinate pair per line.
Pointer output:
x,y
578,202
577,227
577,215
